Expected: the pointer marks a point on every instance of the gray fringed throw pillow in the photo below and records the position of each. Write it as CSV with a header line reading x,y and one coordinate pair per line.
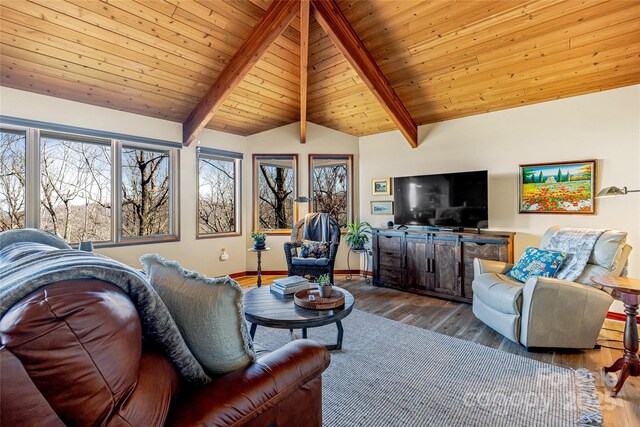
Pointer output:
x,y
208,312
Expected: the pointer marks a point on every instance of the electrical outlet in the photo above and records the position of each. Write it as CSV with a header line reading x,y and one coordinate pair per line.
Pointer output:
x,y
224,255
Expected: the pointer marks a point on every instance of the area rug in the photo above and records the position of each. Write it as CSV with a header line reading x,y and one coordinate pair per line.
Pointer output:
x,y
392,374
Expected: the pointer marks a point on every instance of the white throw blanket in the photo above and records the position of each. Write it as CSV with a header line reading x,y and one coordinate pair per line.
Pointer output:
x,y
578,244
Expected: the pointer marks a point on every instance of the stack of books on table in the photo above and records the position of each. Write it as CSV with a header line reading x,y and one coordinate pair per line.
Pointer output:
x,y
289,285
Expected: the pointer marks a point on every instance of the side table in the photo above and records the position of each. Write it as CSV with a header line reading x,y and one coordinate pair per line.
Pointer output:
x,y
366,263
629,290
259,254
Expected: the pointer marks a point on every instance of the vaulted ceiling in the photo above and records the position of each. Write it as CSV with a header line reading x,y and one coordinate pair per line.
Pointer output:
x,y
444,58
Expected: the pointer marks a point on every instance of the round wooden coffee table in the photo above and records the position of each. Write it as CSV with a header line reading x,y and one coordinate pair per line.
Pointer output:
x,y
265,308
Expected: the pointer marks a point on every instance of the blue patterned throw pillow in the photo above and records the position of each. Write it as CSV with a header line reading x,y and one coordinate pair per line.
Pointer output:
x,y
311,249
537,262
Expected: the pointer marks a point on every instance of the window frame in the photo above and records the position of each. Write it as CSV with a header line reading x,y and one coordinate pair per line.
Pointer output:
x,y
80,140
350,197
174,199
237,182
256,158
33,178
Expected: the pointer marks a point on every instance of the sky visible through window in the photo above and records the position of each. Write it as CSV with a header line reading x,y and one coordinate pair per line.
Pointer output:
x,y
217,196
12,179
75,189
330,188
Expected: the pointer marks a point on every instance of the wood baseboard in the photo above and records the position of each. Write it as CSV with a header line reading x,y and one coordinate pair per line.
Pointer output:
x,y
283,273
266,273
620,317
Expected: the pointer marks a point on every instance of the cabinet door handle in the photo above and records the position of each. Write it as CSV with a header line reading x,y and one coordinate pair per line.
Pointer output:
x,y
433,265
459,269
428,265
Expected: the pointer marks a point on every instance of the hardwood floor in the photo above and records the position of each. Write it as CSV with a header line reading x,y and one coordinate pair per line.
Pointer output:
x,y
457,320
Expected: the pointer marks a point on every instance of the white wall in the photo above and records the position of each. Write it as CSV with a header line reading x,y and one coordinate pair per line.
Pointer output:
x,y
201,255
286,140
197,254
603,126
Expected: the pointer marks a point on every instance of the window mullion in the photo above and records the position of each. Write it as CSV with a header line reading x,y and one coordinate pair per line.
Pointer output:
x,y
238,188
174,191
32,190
116,190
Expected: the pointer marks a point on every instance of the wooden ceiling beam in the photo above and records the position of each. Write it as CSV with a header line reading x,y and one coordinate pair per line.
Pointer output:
x,y
335,24
304,62
273,22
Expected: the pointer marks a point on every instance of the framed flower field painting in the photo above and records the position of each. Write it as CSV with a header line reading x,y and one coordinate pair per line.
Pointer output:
x,y
560,188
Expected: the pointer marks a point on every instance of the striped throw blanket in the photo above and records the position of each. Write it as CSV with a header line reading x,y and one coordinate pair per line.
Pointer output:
x,y
28,266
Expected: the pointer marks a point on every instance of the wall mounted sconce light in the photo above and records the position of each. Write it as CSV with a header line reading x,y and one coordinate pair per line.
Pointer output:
x,y
614,191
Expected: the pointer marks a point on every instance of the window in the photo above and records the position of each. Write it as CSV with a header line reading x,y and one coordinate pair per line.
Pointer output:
x,y
275,185
330,181
12,179
145,192
86,185
218,193
75,188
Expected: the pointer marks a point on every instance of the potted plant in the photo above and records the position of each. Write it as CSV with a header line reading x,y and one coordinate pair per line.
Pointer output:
x,y
357,234
324,286
259,240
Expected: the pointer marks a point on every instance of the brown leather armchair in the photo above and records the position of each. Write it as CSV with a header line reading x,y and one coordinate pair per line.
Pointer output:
x,y
73,353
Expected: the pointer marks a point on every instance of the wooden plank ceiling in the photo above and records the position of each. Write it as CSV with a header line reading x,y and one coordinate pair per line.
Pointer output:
x,y
444,58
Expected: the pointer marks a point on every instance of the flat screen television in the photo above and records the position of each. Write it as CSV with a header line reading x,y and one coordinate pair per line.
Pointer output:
x,y
446,200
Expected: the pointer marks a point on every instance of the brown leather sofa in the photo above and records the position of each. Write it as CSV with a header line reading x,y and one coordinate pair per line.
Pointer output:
x,y
73,354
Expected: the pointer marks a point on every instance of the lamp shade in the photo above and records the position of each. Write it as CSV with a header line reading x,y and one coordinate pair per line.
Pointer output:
x,y
612,191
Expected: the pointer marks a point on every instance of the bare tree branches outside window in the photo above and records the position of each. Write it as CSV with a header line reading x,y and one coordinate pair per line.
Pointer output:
x,y
217,195
75,181
330,187
75,189
12,179
145,192
275,192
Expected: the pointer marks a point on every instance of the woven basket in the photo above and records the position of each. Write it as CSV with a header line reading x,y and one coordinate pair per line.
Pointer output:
x,y
301,298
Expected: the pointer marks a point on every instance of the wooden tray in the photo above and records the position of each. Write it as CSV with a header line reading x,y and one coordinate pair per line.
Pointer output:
x,y
301,298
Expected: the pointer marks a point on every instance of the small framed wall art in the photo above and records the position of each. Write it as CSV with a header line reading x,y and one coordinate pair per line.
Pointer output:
x,y
559,188
382,208
381,187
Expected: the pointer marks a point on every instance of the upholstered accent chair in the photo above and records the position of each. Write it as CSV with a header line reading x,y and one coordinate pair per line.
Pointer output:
x,y
546,312
314,267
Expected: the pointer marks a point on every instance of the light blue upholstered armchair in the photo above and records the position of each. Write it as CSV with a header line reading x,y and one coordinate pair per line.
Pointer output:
x,y
546,312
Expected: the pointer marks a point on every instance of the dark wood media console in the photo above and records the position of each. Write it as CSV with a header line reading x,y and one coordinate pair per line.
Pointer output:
x,y
435,263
